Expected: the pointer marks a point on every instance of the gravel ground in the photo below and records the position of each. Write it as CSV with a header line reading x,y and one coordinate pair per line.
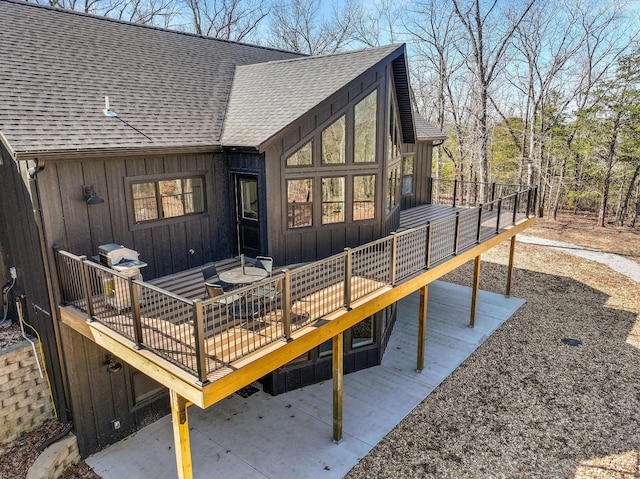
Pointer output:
x,y
526,405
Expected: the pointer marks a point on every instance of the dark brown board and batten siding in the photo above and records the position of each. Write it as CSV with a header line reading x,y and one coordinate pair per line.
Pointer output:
x,y
290,246
167,246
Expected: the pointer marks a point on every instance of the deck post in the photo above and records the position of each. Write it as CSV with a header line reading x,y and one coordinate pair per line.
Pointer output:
x,y
201,351
286,305
528,201
135,312
348,272
479,230
338,365
516,204
456,237
422,326
394,257
474,294
181,442
510,269
87,285
498,217
427,258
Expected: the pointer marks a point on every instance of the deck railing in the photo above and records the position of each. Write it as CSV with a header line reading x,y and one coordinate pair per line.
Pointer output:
x,y
469,194
202,336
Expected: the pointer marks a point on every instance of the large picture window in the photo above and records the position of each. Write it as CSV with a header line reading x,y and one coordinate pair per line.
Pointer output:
x,y
300,203
365,129
364,197
333,142
333,200
167,198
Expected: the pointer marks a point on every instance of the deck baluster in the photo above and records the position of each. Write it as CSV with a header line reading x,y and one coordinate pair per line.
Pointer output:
x,y
498,217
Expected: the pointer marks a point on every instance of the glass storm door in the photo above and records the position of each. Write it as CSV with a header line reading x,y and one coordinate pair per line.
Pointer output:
x,y
247,215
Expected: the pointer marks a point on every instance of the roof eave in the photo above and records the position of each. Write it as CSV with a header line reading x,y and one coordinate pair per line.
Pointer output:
x,y
113,152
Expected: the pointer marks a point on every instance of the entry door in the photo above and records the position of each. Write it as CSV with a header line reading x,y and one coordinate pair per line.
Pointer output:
x,y
247,215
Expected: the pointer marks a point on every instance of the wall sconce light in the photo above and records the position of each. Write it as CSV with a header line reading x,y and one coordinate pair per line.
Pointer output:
x,y
112,365
91,196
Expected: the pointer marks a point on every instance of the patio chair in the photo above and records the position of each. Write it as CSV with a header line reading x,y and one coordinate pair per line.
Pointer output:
x,y
266,263
269,296
210,275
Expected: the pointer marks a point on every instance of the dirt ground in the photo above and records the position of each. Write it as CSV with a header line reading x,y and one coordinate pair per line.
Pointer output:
x,y
525,404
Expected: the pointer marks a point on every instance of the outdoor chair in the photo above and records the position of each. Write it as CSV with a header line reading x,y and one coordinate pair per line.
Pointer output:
x,y
269,296
210,275
266,263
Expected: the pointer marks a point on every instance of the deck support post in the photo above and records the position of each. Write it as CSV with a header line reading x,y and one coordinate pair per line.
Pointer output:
x,y
474,294
510,269
422,326
338,373
181,435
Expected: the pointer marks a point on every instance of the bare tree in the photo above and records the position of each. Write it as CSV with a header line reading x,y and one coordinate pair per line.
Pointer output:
x,y
159,13
489,35
435,36
299,26
234,20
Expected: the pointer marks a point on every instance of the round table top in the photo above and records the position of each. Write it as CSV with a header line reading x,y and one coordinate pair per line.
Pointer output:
x,y
250,274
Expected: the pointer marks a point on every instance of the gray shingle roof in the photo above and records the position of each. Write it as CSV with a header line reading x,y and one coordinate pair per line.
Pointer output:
x,y
426,131
267,97
56,67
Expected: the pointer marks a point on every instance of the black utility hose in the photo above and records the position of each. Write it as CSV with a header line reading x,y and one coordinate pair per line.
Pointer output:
x,y
53,439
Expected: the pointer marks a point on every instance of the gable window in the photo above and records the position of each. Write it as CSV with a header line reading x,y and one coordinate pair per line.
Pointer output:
x,y
333,142
168,198
365,129
407,175
332,200
302,157
364,197
300,203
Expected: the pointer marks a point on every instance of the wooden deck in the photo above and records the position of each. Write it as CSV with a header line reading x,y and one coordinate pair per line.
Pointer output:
x,y
238,351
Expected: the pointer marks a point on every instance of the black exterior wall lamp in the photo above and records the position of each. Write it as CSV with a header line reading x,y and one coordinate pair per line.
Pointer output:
x,y
91,196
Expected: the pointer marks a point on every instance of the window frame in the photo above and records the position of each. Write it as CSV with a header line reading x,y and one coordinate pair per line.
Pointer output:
x,y
405,175
156,180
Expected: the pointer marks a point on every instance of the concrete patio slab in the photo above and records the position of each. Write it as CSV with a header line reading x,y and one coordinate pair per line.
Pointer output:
x,y
289,436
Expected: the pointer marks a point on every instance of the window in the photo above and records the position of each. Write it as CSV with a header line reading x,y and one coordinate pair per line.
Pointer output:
x,y
333,142
364,197
407,175
362,333
365,129
299,203
325,349
393,182
332,200
168,198
249,197
302,157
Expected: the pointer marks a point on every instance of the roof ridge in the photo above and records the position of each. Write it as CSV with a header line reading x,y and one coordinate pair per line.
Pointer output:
x,y
141,25
390,47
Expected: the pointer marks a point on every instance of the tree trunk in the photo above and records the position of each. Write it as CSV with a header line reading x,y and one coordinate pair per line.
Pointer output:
x,y
627,197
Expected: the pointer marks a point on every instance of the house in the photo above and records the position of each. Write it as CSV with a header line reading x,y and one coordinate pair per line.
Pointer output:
x,y
188,150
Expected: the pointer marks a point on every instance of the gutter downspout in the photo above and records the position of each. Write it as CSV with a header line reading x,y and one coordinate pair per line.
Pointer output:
x,y
44,252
